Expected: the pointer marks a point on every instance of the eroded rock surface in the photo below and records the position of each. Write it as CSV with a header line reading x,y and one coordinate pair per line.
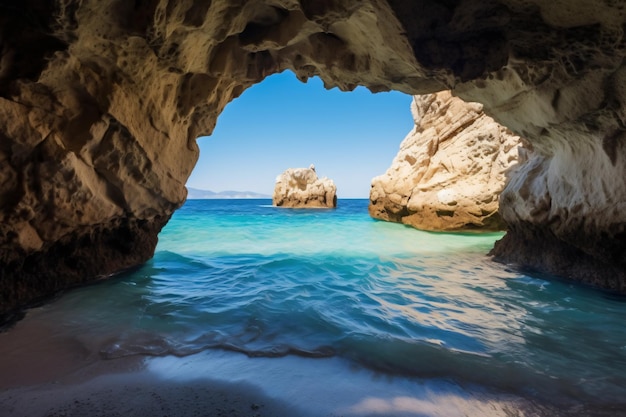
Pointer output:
x,y
301,188
450,170
101,102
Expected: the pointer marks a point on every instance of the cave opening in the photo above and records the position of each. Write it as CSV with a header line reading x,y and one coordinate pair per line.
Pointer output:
x,y
281,123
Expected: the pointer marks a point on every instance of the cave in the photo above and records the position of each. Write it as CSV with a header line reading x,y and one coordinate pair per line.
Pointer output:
x,y
101,103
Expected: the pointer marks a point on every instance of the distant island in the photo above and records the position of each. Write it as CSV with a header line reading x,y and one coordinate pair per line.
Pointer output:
x,y
196,194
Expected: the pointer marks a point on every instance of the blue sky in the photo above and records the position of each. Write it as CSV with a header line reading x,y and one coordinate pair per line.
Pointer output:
x,y
283,123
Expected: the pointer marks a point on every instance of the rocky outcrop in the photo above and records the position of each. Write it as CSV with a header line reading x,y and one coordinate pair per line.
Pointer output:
x,y
101,102
301,188
450,169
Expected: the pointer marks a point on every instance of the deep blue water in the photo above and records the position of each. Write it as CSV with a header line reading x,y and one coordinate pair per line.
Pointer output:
x,y
242,276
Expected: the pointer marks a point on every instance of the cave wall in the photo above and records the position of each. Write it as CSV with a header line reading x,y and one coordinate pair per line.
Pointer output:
x,y
101,103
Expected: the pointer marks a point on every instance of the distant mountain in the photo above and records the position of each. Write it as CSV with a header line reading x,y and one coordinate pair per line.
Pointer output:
x,y
196,194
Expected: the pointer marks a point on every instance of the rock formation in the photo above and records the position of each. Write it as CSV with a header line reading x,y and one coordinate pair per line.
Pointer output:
x,y
301,188
101,103
450,170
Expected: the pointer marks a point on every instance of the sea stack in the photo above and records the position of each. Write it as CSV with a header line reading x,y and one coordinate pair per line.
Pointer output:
x,y
450,170
301,188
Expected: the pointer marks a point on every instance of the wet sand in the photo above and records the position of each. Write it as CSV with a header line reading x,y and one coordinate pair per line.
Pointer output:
x,y
141,394
46,372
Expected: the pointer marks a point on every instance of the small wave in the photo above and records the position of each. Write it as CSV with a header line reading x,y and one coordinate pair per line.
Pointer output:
x,y
145,344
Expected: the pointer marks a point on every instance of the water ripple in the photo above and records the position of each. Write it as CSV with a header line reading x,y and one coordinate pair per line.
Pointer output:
x,y
394,300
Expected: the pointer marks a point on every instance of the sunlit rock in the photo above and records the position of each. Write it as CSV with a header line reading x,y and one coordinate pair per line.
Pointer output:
x,y
301,188
101,103
450,170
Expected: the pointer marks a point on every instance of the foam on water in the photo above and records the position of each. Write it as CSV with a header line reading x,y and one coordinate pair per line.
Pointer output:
x,y
244,277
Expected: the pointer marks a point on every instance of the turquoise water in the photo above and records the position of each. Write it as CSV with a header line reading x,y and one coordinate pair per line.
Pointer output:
x,y
263,282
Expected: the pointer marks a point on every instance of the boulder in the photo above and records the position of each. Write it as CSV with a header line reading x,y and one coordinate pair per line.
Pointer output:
x,y
301,188
450,170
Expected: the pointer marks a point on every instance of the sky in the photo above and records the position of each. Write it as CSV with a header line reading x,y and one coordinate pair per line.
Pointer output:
x,y
281,123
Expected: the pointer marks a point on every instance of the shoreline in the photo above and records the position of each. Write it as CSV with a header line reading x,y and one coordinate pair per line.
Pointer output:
x,y
220,383
46,371
52,368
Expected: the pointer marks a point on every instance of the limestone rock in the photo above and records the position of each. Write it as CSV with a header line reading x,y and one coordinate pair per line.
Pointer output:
x,y
300,187
450,169
101,103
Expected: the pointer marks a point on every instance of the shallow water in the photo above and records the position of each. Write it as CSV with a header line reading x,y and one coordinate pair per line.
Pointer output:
x,y
277,284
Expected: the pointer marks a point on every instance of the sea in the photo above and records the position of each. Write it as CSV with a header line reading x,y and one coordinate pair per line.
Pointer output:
x,y
351,316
